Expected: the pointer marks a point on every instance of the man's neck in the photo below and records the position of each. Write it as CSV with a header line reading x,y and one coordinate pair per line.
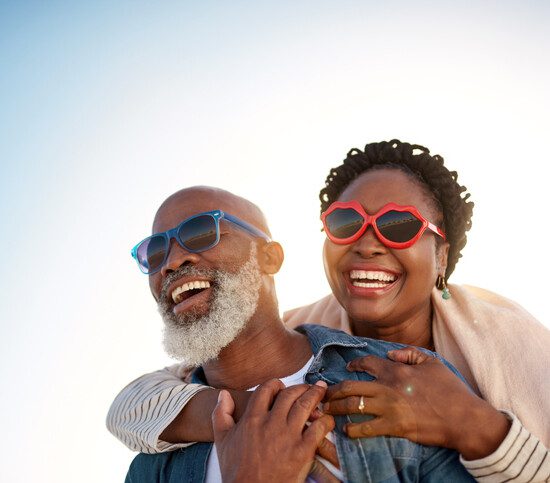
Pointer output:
x,y
264,350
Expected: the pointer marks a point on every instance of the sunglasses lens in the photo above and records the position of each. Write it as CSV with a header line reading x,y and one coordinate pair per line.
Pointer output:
x,y
150,253
199,233
398,226
344,222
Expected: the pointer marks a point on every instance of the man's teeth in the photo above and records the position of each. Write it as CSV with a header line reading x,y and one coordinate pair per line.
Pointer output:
x,y
371,278
196,284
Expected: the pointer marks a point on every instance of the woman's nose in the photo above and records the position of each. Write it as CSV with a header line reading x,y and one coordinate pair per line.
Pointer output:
x,y
369,245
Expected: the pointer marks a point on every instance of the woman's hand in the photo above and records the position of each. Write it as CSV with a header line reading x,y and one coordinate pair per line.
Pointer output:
x,y
271,441
415,396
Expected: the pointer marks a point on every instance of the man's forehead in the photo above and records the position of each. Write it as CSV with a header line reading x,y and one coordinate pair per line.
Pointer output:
x,y
191,201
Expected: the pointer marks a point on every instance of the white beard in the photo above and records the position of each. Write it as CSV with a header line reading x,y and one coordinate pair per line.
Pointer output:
x,y
195,339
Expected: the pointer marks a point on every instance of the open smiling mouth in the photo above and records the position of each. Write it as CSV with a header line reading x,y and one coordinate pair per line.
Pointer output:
x,y
189,289
371,278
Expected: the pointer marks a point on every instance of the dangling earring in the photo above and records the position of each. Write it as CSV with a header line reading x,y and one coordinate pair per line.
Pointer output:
x,y
440,284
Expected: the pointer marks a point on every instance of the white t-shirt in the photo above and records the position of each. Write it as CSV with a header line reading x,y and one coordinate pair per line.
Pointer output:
x,y
213,474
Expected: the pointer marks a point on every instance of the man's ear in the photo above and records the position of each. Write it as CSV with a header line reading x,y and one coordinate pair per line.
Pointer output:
x,y
270,257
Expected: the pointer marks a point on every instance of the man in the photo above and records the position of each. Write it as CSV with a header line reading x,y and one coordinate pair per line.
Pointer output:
x,y
211,263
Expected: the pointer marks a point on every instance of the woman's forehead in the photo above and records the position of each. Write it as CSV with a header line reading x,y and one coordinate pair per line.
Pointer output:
x,y
376,188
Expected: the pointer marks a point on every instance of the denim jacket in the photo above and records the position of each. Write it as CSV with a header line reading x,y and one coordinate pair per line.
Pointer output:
x,y
378,459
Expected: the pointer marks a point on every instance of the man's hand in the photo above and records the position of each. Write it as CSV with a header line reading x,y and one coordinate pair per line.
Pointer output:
x,y
415,396
271,441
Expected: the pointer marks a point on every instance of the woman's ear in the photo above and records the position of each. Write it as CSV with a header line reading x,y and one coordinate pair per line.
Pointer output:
x,y
442,253
270,257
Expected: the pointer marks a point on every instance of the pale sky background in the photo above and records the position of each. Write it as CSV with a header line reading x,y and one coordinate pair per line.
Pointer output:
x,y
108,107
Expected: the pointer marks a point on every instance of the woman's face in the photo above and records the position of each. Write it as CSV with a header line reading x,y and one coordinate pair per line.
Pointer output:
x,y
408,275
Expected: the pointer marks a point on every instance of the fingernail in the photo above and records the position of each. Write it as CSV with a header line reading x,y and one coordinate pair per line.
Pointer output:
x,y
220,395
321,383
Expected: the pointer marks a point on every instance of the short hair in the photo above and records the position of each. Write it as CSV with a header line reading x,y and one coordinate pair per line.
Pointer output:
x,y
415,160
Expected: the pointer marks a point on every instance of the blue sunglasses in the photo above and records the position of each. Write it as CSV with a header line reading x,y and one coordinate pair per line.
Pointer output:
x,y
195,234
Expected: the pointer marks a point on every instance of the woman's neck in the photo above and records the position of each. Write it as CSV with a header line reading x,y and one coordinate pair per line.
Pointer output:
x,y
416,329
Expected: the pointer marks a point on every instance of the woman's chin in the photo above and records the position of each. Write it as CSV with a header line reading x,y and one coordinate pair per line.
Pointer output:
x,y
366,314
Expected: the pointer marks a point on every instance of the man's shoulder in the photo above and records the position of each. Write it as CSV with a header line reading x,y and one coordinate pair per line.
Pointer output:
x,y
149,467
185,464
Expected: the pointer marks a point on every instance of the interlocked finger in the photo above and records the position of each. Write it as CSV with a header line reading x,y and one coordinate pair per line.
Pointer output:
x,y
316,431
286,399
304,405
409,355
263,397
369,429
320,474
327,450
354,388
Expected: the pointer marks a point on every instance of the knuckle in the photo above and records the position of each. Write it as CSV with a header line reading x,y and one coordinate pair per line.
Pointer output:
x,y
395,407
293,391
314,391
269,385
335,389
401,426
317,393
303,404
330,425
367,430
360,362
347,387
352,404
323,445
402,371
250,421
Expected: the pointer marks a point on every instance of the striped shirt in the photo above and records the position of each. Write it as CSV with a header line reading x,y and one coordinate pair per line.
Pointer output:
x,y
145,407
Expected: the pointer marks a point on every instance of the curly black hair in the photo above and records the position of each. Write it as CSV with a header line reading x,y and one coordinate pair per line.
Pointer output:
x,y
449,196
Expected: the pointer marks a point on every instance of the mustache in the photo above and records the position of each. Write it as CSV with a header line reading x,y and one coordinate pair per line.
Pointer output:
x,y
185,271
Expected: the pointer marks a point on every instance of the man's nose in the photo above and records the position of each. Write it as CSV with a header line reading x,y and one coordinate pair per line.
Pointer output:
x,y
369,245
177,256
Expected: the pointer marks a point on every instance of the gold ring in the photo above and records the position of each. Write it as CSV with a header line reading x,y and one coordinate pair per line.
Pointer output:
x,y
361,404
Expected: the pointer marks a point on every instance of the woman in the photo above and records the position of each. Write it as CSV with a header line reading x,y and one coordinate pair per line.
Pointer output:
x,y
389,281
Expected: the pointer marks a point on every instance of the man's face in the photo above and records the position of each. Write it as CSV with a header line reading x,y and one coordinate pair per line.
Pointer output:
x,y
205,299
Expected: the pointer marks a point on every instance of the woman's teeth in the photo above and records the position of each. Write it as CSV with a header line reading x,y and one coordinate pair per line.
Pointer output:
x,y
371,279
178,293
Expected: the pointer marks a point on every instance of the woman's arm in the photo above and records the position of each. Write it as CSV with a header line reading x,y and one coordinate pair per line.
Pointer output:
x,y
521,457
423,401
160,412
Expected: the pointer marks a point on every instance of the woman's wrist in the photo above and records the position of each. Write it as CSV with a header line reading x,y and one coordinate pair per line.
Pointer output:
x,y
483,431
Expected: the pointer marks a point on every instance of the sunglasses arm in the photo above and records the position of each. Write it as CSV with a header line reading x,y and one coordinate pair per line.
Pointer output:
x,y
437,230
246,226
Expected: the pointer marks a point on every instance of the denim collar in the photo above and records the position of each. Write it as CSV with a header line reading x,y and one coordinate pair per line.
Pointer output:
x,y
321,337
